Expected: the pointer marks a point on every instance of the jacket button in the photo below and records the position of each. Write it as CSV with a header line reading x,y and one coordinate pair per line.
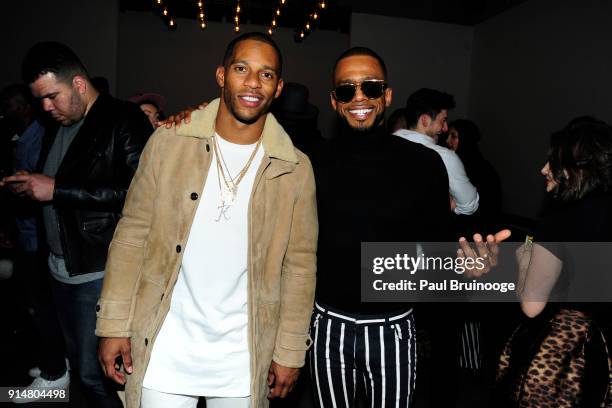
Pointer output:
x,y
194,196
146,342
97,308
178,249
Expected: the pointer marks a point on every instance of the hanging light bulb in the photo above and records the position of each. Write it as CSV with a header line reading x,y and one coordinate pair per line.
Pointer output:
x,y
315,15
270,31
237,29
158,2
171,22
202,25
278,12
308,26
323,5
274,22
165,12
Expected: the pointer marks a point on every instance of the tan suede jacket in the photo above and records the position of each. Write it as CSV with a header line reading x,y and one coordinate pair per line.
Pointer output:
x,y
146,250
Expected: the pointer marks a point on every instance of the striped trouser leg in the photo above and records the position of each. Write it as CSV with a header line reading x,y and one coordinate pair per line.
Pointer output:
x,y
385,355
332,361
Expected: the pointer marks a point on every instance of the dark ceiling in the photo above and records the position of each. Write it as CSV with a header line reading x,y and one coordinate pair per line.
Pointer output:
x,y
335,16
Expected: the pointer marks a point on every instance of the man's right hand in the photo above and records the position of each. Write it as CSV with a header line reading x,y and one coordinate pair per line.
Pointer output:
x,y
109,349
184,115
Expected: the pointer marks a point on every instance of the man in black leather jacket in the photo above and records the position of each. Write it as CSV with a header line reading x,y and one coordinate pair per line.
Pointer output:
x,y
86,165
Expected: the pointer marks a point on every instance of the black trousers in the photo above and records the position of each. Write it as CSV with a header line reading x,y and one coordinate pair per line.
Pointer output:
x,y
378,350
34,280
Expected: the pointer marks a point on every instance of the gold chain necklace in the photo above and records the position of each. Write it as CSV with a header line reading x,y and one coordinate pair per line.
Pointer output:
x,y
228,195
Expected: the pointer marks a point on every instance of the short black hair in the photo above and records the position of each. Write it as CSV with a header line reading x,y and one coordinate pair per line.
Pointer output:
x,y
580,158
351,52
51,57
427,101
255,36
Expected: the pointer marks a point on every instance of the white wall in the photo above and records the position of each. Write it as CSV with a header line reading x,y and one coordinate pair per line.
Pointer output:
x,y
181,64
534,68
419,54
88,27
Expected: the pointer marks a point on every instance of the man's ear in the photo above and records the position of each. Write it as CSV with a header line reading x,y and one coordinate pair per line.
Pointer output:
x,y
425,120
279,88
80,84
333,101
388,97
220,76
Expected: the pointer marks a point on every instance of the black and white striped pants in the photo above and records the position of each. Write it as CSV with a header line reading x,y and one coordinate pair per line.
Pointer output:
x,y
378,350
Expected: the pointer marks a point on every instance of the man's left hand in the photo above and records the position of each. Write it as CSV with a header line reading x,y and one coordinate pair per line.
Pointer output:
x,y
281,380
36,186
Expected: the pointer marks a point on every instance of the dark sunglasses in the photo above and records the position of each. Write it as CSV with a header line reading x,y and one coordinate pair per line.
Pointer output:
x,y
371,88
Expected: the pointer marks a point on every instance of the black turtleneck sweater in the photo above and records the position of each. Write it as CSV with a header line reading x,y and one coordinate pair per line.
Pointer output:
x,y
373,187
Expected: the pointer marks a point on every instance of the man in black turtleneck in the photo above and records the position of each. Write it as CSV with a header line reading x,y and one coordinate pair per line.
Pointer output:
x,y
371,186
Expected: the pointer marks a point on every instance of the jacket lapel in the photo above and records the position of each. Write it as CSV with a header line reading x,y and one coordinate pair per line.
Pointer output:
x,y
93,131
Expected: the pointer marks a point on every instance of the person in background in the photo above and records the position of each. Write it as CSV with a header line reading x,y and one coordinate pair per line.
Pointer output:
x,y
152,105
298,117
87,161
558,356
17,104
463,138
397,120
426,117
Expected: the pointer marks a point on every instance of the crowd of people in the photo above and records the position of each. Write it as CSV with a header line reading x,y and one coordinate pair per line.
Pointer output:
x,y
213,255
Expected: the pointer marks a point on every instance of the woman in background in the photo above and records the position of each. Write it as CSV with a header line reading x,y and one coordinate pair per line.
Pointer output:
x,y
558,357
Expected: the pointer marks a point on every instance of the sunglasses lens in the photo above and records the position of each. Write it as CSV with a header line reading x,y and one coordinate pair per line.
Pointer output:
x,y
372,89
345,93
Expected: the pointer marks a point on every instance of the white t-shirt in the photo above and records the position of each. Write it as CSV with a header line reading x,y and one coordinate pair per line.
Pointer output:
x,y
202,347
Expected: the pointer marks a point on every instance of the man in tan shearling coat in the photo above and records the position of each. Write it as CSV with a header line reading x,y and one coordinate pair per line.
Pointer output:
x,y
210,279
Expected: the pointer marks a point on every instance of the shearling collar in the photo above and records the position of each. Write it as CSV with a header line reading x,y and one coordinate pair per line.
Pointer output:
x,y
276,142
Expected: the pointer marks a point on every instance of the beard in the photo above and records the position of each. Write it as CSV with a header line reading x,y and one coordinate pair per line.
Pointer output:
x,y
346,126
231,103
76,110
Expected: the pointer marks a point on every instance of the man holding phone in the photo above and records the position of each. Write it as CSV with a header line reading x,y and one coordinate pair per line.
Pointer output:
x,y
86,164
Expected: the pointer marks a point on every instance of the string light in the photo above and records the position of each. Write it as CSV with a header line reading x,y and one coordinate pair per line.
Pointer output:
x,y
159,2
171,23
275,15
310,21
237,17
201,15
165,12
